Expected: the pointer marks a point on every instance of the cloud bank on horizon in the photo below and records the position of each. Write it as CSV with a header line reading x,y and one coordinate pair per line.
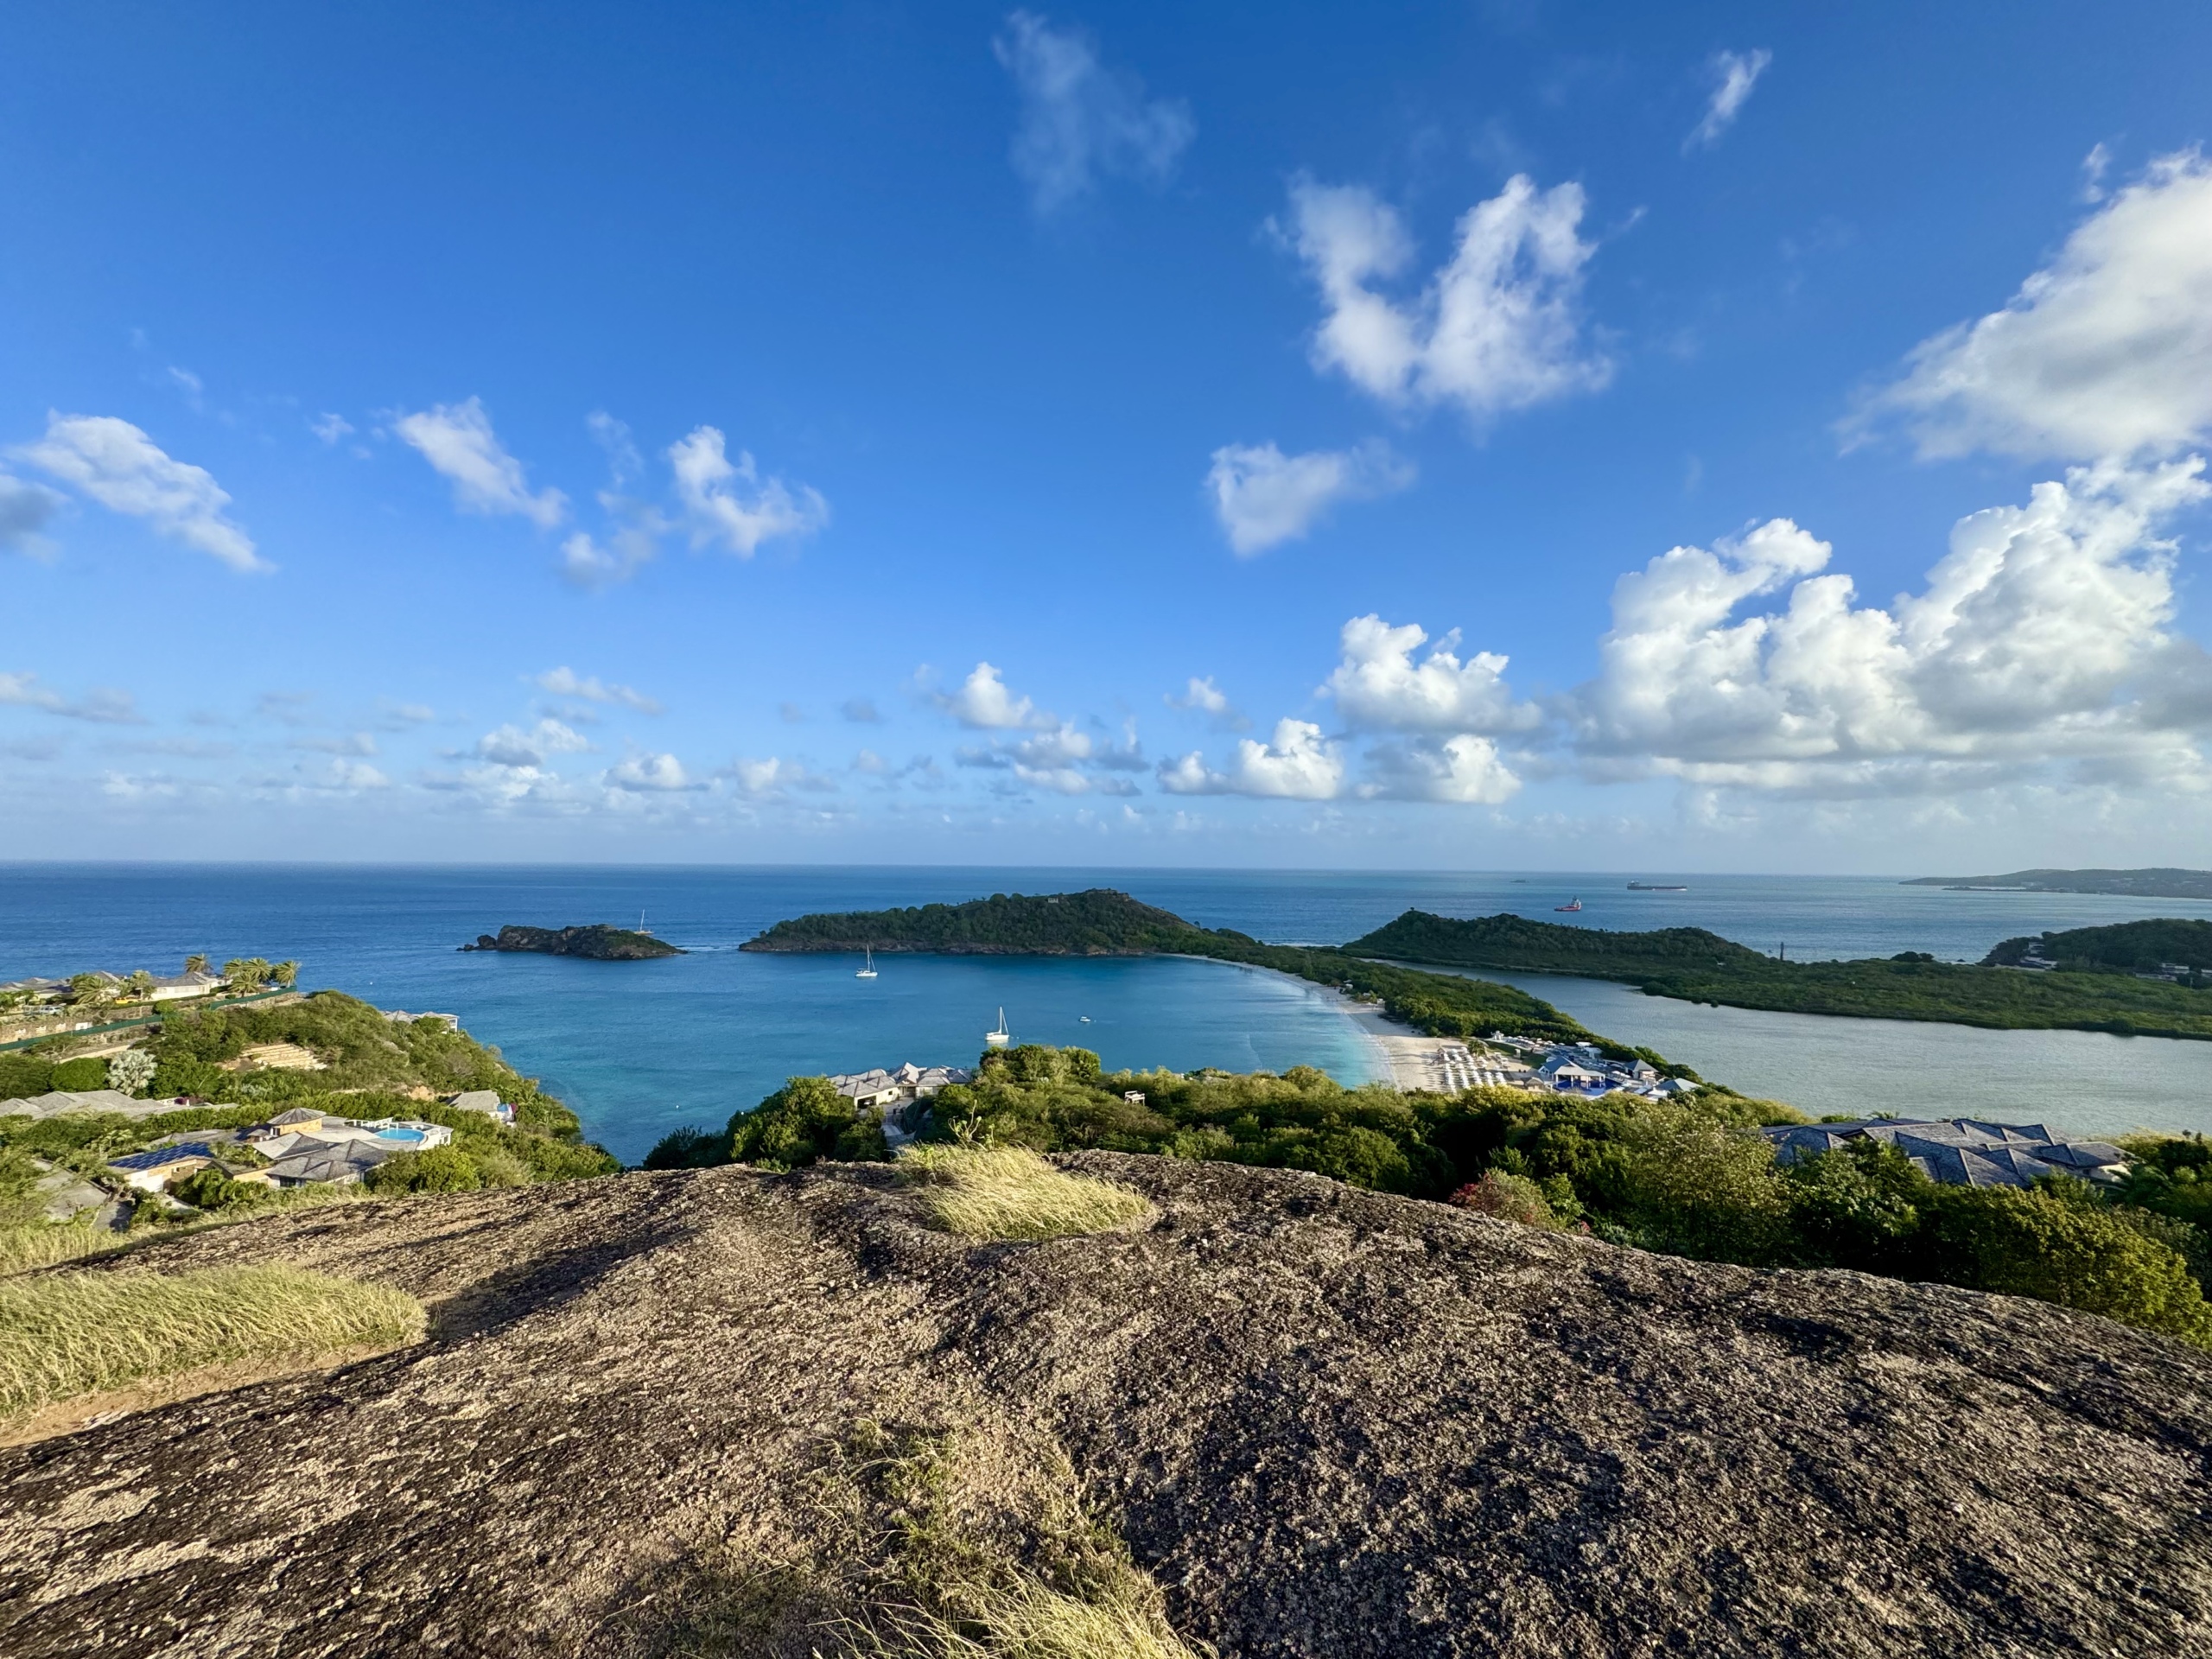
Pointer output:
x,y
1389,601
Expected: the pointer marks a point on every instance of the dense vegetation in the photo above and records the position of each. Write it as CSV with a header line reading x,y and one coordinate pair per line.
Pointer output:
x,y
2127,884
598,941
1910,986
1516,944
1100,922
2122,948
1684,1176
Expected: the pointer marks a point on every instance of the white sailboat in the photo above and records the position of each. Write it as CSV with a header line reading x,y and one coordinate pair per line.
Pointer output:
x,y
999,1037
868,971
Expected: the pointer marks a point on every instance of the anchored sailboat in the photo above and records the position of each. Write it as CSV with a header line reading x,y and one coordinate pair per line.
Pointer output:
x,y
868,971
999,1037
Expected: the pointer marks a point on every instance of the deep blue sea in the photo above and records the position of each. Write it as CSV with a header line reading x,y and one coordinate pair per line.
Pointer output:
x,y
639,1048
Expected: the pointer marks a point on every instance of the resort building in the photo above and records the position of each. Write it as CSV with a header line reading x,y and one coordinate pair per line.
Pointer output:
x,y
1961,1151
154,1169
176,986
483,1100
881,1089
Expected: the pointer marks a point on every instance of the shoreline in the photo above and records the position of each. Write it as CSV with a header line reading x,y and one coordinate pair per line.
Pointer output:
x,y
1408,1059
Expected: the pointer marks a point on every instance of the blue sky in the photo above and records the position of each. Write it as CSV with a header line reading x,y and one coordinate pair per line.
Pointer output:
x,y
1504,436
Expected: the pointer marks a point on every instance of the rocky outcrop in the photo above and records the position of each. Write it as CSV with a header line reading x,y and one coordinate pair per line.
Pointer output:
x,y
598,941
1327,1422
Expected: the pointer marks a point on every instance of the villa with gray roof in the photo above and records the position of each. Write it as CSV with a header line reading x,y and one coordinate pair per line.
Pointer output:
x,y
1961,1151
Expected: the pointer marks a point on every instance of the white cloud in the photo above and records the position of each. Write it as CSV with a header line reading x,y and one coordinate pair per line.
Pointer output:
x,y
2040,646
860,711
984,703
775,777
126,472
331,427
1734,74
25,510
730,503
1081,121
353,743
509,746
1300,763
1378,686
1263,497
2108,351
457,439
650,774
1204,696
102,705
1463,770
565,681
1497,328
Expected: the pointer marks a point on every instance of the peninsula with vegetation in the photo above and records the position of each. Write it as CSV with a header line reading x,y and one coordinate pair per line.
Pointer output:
x,y
2142,979
598,942
2126,884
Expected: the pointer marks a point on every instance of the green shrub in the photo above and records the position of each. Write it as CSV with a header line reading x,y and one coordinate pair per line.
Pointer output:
x,y
436,1169
78,1077
24,1078
802,1122
688,1148
1509,1197
2061,1243
1698,1188
212,1188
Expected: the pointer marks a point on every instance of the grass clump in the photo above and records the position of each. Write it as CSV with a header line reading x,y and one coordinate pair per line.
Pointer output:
x,y
1032,1620
46,1244
65,1334
1011,1192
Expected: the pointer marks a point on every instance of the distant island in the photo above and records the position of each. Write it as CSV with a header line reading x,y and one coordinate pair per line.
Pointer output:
x,y
600,942
2126,884
2088,979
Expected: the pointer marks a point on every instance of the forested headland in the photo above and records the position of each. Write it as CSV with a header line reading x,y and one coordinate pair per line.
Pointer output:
x,y
2093,989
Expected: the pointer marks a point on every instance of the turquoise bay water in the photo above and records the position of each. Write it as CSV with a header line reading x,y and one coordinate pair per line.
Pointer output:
x,y
638,1048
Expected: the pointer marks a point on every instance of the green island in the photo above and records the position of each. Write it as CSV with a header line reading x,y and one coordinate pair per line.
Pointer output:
x,y
2126,884
2093,988
598,941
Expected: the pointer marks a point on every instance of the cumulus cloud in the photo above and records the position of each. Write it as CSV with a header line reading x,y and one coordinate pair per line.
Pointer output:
x,y
1734,74
102,705
510,746
458,441
1299,764
331,427
1263,497
1463,770
2106,351
1081,121
1497,328
25,510
648,774
565,681
729,502
2039,645
126,472
983,703
1378,686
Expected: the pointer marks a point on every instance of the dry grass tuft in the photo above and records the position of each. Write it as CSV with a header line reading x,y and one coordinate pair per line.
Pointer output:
x,y
63,1334
1011,1192
44,1243
1032,1621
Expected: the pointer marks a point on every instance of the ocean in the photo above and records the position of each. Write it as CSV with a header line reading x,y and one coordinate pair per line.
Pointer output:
x,y
641,1048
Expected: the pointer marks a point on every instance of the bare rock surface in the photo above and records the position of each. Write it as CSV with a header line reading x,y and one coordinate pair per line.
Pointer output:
x,y
1326,1422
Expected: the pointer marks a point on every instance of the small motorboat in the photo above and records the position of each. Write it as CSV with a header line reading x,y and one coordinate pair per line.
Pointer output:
x,y
867,971
1083,1019
999,1037
1571,904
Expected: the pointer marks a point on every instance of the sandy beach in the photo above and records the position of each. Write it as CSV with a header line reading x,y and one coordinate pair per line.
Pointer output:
x,y
1415,1061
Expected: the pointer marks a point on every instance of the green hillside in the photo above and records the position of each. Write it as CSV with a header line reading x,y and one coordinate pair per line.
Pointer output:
x,y
2123,948
2127,884
1516,944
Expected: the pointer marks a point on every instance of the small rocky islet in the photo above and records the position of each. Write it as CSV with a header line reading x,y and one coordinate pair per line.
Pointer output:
x,y
598,941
